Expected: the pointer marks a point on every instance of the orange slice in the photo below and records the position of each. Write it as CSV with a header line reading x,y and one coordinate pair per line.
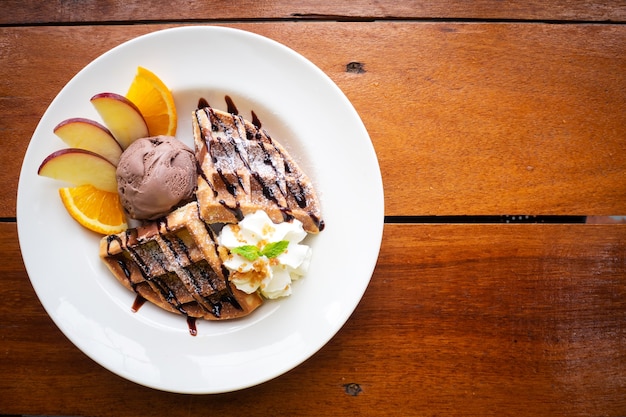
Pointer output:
x,y
97,210
155,102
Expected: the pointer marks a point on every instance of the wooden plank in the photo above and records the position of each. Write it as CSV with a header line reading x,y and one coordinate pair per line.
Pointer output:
x,y
484,118
35,12
495,119
458,320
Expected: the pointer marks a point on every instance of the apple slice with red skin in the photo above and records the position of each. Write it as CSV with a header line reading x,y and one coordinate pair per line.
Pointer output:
x,y
121,116
79,167
89,135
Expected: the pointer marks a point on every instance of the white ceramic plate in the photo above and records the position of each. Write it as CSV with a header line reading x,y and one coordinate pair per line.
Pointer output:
x,y
301,108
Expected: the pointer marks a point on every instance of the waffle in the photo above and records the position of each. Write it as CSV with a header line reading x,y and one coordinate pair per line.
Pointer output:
x,y
174,263
242,169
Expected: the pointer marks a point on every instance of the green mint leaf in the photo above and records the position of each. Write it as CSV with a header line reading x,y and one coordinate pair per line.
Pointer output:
x,y
250,252
272,250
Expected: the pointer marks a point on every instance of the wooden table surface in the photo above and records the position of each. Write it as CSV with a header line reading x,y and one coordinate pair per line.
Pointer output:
x,y
500,128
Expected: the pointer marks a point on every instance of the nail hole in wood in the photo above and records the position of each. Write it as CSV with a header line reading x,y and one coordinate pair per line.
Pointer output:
x,y
352,389
355,68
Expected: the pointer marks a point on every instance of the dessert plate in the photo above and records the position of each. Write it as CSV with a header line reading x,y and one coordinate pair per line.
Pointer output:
x,y
300,107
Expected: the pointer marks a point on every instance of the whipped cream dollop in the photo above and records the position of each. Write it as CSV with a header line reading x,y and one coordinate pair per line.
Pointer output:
x,y
264,256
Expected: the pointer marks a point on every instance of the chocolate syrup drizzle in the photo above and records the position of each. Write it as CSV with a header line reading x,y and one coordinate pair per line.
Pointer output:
x,y
131,242
293,189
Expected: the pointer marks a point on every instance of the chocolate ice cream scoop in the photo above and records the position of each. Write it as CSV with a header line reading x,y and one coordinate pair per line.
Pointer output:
x,y
154,175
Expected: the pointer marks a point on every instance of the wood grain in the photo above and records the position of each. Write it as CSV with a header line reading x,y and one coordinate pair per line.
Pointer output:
x,y
36,12
490,320
482,118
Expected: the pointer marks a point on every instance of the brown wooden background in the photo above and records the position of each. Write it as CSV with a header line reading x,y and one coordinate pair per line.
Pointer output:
x,y
482,108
